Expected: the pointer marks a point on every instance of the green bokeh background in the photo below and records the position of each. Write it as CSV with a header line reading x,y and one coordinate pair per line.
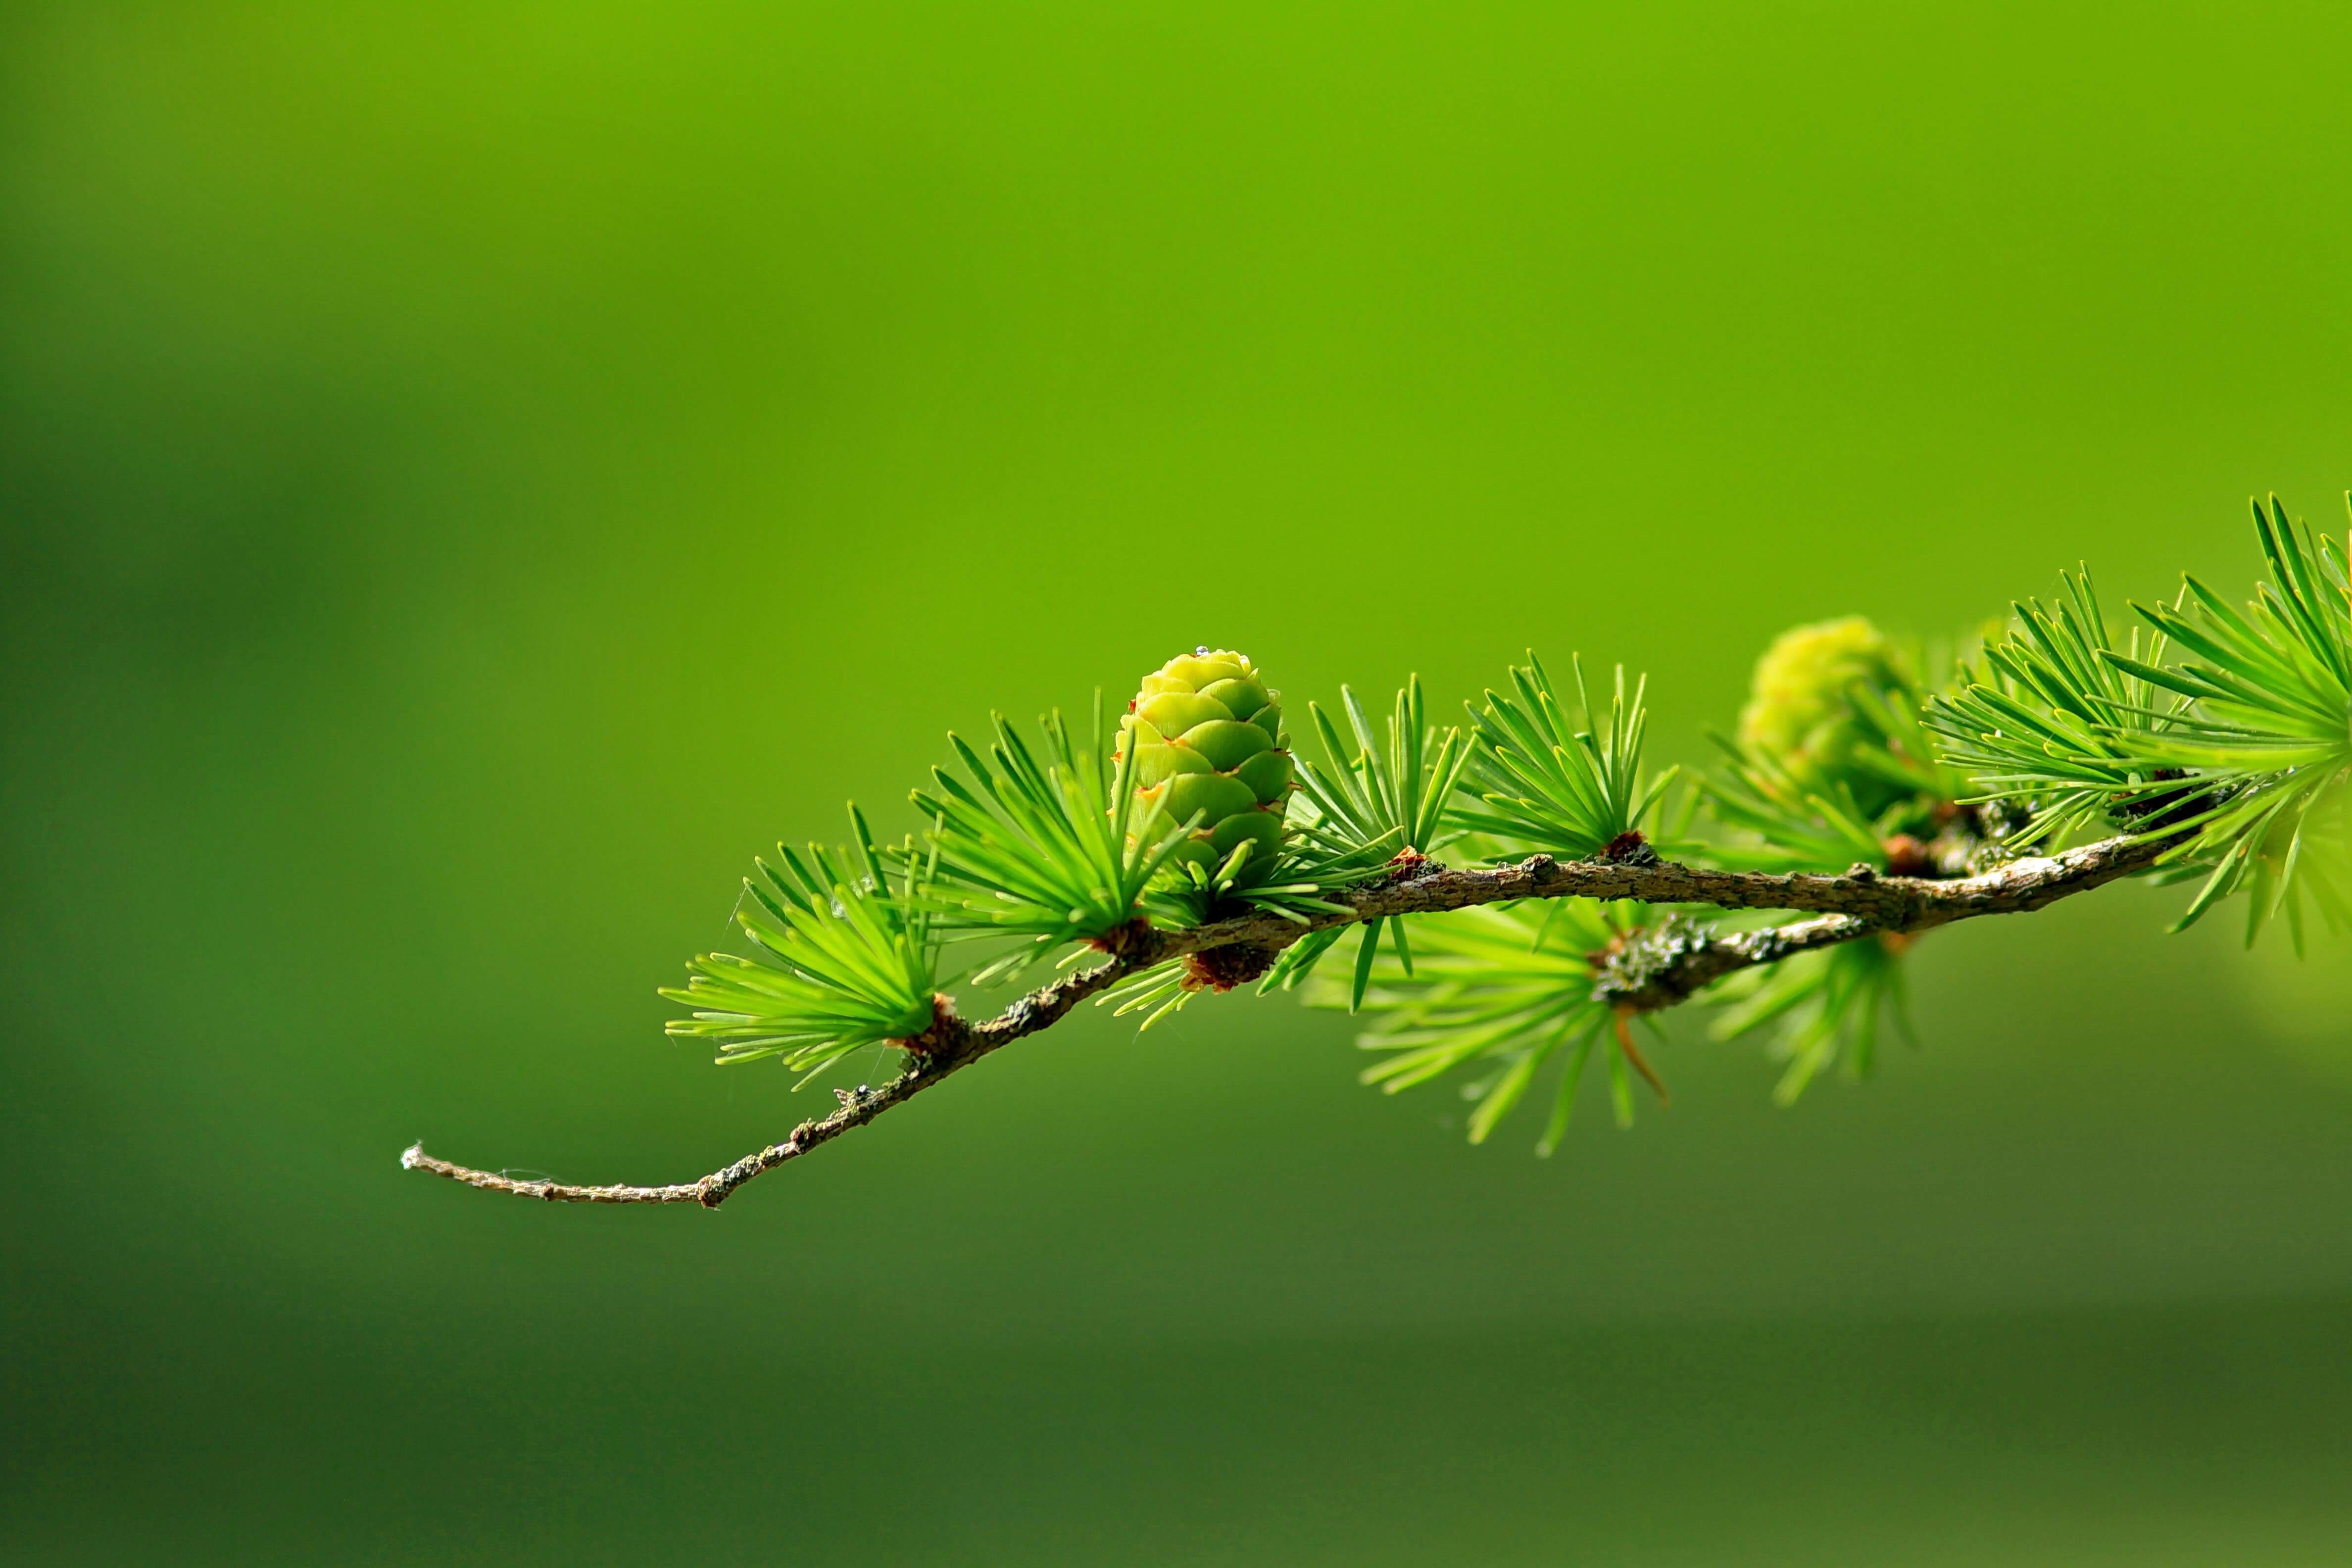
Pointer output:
x,y
472,476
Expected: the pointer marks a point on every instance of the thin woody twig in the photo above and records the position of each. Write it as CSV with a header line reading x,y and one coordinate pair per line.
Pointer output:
x,y
949,1046
1675,961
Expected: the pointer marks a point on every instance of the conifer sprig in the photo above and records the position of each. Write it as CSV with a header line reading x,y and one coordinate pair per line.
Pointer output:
x,y
1376,799
1780,825
845,958
1055,847
2268,725
1507,987
1394,793
1535,781
1310,867
2061,719
2240,752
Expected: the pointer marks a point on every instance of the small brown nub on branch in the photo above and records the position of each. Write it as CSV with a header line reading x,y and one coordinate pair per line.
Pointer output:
x,y
1222,968
1121,940
1907,856
1407,864
1628,848
945,1032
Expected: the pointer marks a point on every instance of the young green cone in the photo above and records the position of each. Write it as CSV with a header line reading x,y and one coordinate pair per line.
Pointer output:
x,y
1208,739
1800,711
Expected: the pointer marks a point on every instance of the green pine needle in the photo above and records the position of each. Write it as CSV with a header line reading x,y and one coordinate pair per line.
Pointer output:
x,y
1045,844
1393,794
2242,750
1829,1004
1506,986
845,958
2062,719
1541,784
1368,803
1781,826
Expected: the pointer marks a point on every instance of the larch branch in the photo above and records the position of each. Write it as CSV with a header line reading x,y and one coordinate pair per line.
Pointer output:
x,y
1668,965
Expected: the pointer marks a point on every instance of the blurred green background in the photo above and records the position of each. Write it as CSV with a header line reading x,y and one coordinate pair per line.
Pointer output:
x,y
473,475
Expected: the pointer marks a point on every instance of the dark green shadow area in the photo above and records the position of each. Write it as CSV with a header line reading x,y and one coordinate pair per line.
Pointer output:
x,y
2145,1435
